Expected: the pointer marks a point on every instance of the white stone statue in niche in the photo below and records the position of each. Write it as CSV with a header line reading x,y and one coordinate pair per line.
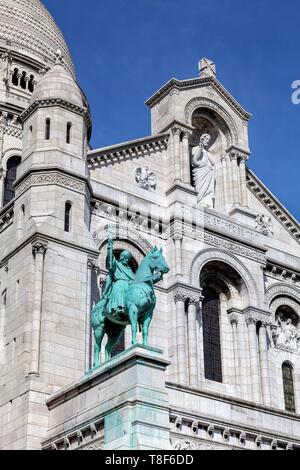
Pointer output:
x,y
204,172
286,335
145,178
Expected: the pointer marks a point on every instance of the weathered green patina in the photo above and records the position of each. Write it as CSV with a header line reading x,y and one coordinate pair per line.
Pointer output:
x,y
127,298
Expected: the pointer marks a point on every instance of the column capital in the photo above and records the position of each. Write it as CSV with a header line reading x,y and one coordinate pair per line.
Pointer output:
x,y
233,318
39,248
176,131
182,293
236,153
92,264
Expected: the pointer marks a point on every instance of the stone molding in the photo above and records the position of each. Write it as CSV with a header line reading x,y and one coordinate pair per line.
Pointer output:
x,y
274,206
7,218
175,84
39,248
183,293
253,316
196,103
81,111
88,436
50,178
281,273
128,150
186,437
209,254
282,290
280,301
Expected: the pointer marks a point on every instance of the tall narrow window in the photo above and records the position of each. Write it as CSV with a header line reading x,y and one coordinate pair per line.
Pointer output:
x,y
15,77
68,209
212,336
288,388
47,129
31,84
68,134
10,178
23,81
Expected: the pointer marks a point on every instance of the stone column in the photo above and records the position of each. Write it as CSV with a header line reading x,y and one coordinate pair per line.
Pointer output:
x,y
178,258
39,250
224,180
254,362
192,341
243,180
264,364
199,334
233,318
186,157
235,178
180,297
176,154
91,265
2,181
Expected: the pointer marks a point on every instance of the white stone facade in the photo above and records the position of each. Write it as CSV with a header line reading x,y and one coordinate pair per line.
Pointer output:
x,y
244,250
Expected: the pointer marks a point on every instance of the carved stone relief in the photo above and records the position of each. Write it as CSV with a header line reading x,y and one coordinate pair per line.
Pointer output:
x,y
145,178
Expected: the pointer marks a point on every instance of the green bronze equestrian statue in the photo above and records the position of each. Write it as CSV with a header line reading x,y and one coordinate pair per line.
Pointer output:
x,y
127,299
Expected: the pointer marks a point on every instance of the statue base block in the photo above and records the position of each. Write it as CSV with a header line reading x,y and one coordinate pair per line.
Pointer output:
x,y
122,405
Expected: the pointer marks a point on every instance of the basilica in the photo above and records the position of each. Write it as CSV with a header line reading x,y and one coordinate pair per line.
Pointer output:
x,y
222,367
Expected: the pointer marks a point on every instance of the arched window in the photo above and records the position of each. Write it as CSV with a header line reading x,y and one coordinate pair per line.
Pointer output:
x,y
47,129
31,84
288,387
211,335
23,81
68,209
15,77
68,133
10,178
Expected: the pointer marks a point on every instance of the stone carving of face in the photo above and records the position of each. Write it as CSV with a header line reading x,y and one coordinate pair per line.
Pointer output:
x,y
205,139
125,257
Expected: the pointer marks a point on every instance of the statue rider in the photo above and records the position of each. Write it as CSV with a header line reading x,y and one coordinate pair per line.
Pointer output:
x,y
118,279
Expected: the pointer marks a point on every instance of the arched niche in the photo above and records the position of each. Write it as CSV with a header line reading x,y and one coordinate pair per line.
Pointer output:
x,y
216,114
226,281
248,284
286,320
10,171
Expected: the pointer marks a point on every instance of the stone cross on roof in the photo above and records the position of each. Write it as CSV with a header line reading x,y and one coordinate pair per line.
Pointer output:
x,y
207,68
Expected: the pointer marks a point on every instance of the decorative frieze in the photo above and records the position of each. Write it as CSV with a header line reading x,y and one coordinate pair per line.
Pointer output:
x,y
44,179
87,437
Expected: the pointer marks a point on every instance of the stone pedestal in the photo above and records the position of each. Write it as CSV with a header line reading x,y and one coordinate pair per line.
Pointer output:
x,y
123,404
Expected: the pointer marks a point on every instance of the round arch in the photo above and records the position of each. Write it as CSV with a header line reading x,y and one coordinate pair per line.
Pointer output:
x,y
281,289
212,254
128,240
13,152
196,103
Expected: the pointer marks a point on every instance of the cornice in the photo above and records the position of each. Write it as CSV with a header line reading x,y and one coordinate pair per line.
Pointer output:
x,y
81,111
131,149
193,83
273,205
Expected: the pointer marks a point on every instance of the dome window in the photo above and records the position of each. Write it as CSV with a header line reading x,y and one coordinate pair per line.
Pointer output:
x,y
47,129
31,84
15,77
68,209
23,81
68,133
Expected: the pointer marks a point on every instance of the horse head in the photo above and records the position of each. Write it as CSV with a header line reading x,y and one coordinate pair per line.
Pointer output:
x,y
157,261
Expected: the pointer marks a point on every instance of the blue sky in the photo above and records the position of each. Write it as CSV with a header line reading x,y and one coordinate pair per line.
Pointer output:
x,y
124,50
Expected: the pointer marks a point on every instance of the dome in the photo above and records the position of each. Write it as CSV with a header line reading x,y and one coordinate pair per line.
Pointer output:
x,y
58,83
27,26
